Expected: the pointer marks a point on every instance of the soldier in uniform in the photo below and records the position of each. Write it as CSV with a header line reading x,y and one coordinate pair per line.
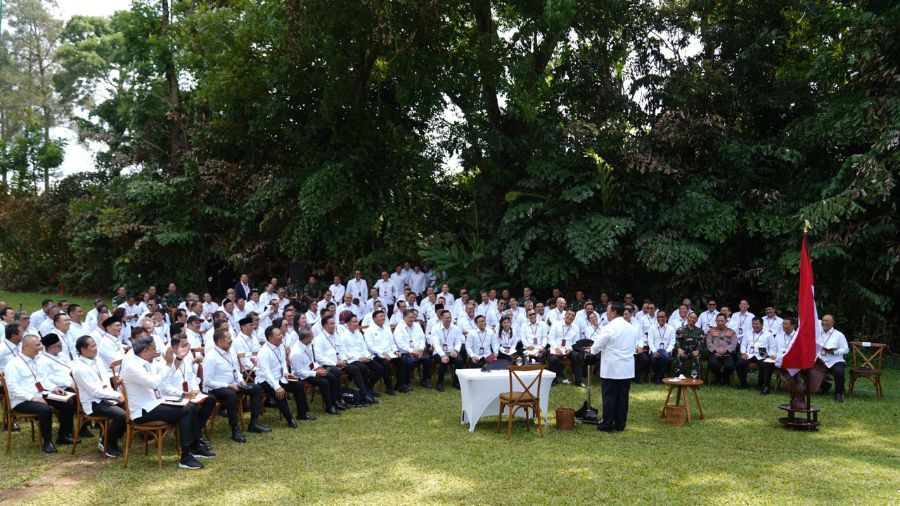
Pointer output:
x,y
171,299
688,343
311,290
120,297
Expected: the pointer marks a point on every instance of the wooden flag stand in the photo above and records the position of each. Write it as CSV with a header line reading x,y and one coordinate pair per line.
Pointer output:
x,y
809,417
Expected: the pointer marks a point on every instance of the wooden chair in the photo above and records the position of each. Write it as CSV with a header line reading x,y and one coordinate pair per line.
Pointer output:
x,y
867,362
12,417
81,418
157,429
114,367
513,401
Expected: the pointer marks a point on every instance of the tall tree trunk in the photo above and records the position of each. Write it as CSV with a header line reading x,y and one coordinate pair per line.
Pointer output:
x,y
174,115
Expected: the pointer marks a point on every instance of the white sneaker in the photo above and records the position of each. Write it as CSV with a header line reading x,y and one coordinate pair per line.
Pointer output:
x,y
566,382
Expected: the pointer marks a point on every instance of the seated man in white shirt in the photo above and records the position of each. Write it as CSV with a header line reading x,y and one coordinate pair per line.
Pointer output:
x,y
753,351
273,376
447,341
661,338
534,337
109,342
411,345
55,368
359,364
563,335
143,383
12,344
304,365
380,341
481,345
96,395
27,394
246,347
222,380
185,383
832,346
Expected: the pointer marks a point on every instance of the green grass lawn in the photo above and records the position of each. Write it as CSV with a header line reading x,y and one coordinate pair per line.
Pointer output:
x,y
31,301
411,449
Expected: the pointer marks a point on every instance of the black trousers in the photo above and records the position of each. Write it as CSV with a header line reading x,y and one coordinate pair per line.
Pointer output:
x,y
45,417
407,363
721,367
184,416
660,366
385,373
230,399
764,374
458,363
324,389
576,358
360,375
641,365
372,372
615,403
116,421
294,388
334,382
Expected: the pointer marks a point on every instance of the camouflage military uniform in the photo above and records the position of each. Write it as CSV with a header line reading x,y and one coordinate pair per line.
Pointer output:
x,y
689,340
311,291
171,300
118,300
292,291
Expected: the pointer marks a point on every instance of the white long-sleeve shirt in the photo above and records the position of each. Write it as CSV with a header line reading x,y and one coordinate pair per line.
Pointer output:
x,y
337,291
55,369
482,343
184,376
833,339
327,348
247,347
143,383
534,335
303,363
446,340
661,337
353,345
706,320
616,345
271,366
22,376
742,324
109,348
753,342
220,369
8,351
93,380
380,340
358,288
409,338
563,336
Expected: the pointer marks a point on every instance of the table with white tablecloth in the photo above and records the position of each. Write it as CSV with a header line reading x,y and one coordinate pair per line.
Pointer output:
x,y
480,392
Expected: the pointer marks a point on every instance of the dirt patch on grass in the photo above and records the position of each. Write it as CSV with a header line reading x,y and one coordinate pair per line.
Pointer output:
x,y
63,475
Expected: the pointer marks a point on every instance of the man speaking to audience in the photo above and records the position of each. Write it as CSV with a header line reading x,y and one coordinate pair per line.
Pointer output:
x,y
616,346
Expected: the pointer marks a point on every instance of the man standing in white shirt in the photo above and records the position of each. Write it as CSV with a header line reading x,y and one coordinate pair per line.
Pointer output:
x,y
742,321
616,346
399,280
143,383
417,281
357,286
771,323
387,292
707,319
679,318
337,289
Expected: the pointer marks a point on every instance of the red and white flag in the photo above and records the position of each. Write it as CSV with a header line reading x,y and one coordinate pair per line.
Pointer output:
x,y
801,351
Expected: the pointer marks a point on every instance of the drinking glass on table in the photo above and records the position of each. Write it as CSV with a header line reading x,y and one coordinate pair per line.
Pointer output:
x,y
694,373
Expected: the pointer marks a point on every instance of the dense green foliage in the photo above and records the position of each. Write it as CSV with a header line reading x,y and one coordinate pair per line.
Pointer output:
x,y
668,148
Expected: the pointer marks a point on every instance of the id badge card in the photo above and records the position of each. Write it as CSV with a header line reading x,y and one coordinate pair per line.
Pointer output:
x,y
156,394
481,351
740,331
184,386
311,366
234,374
563,343
37,384
445,346
535,341
410,344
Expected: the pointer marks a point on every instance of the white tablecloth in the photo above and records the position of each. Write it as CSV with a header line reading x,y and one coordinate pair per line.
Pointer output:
x,y
481,392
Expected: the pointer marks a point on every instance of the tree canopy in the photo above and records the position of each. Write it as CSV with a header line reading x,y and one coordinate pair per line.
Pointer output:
x,y
667,148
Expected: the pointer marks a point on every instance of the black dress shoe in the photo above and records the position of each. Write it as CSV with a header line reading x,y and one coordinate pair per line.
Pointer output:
x,y
64,440
332,411
371,399
306,417
48,447
838,398
391,392
292,423
439,387
426,384
257,427
237,436
403,389
605,429
341,405
764,391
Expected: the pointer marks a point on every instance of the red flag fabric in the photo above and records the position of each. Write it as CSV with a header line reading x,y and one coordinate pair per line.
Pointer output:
x,y
801,353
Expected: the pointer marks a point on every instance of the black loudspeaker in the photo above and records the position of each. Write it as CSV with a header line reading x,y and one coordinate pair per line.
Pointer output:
x,y
297,272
